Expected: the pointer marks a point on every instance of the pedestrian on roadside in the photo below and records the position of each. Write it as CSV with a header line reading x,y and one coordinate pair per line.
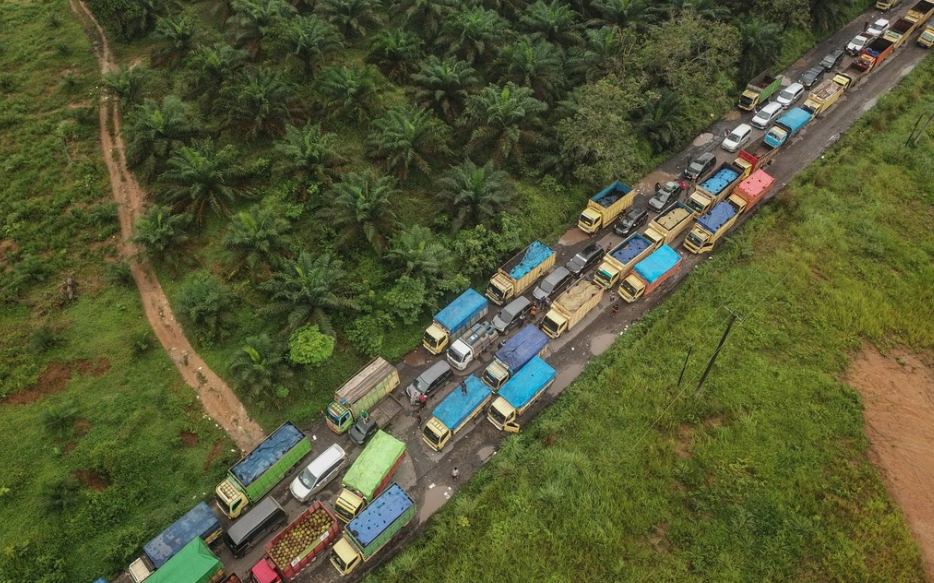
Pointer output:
x,y
613,296
455,473
422,400
865,26
657,187
616,308
418,416
684,186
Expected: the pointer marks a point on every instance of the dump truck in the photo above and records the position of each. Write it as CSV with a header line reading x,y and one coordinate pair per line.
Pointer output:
x,y
199,522
455,411
297,546
823,96
899,31
711,227
711,191
373,529
758,155
621,259
513,355
884,5
851,75
787,126
194,563
759,90
360,394
468,309
261,469
369,475
603,208
921,12
520,272
650,273
571,307
926,40
471,344
519,393
874,53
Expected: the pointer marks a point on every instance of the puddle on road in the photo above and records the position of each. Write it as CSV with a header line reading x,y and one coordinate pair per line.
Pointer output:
x,y
702,140
600,344
415,358
433,500
486,452
564,378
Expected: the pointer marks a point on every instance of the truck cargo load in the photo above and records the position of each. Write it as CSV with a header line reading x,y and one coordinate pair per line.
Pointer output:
x,y
571,307
825,95
884,5
759,90
899,31
603,208
520,272
360,394
455,411
197,522
370,473
620,260
714,189
468,309
711,227
194,563
670,223
519,393
787,126
874,53
921,12
514,354
261,469
650,273
471,344
297,546
373,529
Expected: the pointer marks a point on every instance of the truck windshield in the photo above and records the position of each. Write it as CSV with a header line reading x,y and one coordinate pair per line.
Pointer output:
x,y
430,340
337,561
695,205
695,240
494,292
629,288
587,220
745,100
457,353
335,416
550,326
430,435
497,415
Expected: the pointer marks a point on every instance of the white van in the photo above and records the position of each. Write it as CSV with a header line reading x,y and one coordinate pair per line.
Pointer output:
x,y
471,344
318,473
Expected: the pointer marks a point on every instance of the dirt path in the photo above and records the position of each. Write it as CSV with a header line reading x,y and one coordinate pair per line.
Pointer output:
x,y
219,401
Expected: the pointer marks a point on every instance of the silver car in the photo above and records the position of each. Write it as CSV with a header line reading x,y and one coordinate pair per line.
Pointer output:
x,y
790,94
767,115
737,138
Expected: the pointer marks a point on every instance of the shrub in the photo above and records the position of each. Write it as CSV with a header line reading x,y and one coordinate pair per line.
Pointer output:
x,y
308,345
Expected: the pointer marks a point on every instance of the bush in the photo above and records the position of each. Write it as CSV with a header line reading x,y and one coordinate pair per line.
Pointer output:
x,y
205,305
310,346
367,333
407,299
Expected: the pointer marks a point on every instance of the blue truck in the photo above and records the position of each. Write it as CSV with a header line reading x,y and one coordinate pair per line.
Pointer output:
x,y
528,343
519,393
455,411
716,188
787,126
520,272
372,530
603,207
199,522
468,309
650,273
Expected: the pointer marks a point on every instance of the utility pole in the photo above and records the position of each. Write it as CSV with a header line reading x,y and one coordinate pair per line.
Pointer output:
x,y
684,366
713,358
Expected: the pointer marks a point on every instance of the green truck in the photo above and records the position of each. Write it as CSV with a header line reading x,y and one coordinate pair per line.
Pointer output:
x,y
369,475
373,529
361,393
261,469
195,563
759,90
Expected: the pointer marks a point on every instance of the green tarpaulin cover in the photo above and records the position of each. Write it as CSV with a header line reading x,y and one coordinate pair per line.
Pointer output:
x,y
193,564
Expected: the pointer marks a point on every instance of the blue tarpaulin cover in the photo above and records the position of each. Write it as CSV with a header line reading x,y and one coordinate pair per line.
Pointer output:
x,y
527,383
657,264
795,119
455,408
717,217
535,254
101,580
520,349
267,454
461,310
630,248
197,522
376,517
611,194
720,180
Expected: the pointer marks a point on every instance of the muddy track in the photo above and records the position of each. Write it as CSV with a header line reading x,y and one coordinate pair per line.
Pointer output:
x,y
218,400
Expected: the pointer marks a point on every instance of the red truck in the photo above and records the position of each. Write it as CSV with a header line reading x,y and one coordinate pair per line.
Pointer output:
x,y
875,53
297,545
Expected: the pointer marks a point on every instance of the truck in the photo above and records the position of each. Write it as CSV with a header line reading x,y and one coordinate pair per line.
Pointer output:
x,y
513,355
899,31
194,563
850,76
921,12
759,90
825,95
620,260
787,126
369,475
373,529
471,344
884,5
874,53
455,411
519,393
711,227
711,191
297,546
468,309
571,307
520,272
360,394
603,208
758,155
199,522
926,39
261,469
650,273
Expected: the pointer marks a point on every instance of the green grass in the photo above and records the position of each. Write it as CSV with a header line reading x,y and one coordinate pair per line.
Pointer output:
x,y
126,423
765,476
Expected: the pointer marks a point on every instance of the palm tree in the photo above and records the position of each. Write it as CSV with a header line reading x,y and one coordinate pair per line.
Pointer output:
x,y
353,17
362,206
201,176
61,496
621,12
473,33
310,40
535,64
443,85
260,102
309,154
127,83
141,19
406,137
58,421
475,192
211,66
179,31
503,118
259,367
762,42
153,131
707,9
424,16
159,230
661,120
602,49
257,236
556,22
395,51
255,19
351,91
418,252
307,290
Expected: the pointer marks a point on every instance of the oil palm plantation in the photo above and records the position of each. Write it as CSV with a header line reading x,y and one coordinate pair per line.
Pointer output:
x,y
178,32
475,193
351,92
309,289
425,16
503,119
553,21
309,154
255,20
361,209
259,367
443,85
309,40
762,42
473,34
256,237
407,138
536,64
395,51
353,17
159,230
417,252
260,102
200,177
210,66
153,131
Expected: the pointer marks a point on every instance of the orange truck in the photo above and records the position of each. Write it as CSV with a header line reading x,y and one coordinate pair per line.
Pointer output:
x,y
712,226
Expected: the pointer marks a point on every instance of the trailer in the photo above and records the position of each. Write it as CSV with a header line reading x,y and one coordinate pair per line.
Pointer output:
x,y
651,273
468,309
621,259
360,394
711,191
455,411
520,272
571,307
513,355
297,546
519,394
368,533
603,208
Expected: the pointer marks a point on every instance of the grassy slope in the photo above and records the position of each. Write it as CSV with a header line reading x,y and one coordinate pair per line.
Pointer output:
x,y
765,477
134,412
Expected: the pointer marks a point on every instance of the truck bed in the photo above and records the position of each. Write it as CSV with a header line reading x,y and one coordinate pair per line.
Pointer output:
x,y
827,89
675,216
572,300
527,260
635,246
362,382
266,454
718,216
527,383
519,349
460,310
657,264
611,194
199,522
456,407
723,178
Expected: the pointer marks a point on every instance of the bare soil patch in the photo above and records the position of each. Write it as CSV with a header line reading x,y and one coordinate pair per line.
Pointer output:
x,y
82,427
55,378
69,447
898,399
188,438
91,479
215,453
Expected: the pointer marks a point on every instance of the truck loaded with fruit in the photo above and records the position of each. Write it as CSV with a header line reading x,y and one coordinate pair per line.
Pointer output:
x,y
300,543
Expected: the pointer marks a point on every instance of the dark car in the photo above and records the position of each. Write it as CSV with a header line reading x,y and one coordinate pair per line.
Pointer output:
x,y
429,381
812,76
553,284
588,257
833,59
634,218
512,315
365,428
667,193
700,166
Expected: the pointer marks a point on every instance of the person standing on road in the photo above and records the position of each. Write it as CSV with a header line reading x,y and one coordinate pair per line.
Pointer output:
x,y
865,26
454,474
422,400
613,296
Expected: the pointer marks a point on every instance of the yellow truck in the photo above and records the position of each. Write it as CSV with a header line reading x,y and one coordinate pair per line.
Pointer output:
x,y
921,12
900,31
884,5
826,94
711,227
926,40
650,274
520,272
519,394
603,208
571,307
670,223
621,259
711,191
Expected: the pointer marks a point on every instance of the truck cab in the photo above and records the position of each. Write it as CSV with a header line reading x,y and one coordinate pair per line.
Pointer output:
x,y
348,505
435,339
632,287
230,499
344,557
436,434
554,324
495,375
469,346
339,417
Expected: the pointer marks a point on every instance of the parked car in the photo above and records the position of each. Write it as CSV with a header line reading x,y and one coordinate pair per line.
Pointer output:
x,y
832,59
588,257
765,116
633,218
429,381
812,77
790,94
319,472
669,192
553,284
512,315
365,428
700,166
877,28
858,43
737,138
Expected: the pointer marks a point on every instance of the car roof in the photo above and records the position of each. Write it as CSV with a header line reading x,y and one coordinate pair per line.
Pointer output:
x,y
860,36
742,127
518,303
835,52
705,156
794,87
591,248
815,69
635,211
882,22
772,106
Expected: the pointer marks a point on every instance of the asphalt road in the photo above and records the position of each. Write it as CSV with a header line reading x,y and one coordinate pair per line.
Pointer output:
x,y
426,474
